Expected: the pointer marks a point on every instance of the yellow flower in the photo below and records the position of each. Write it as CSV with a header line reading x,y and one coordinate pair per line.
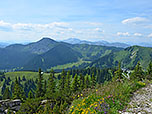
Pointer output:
x,y
82,113
96,90
78,95
81,94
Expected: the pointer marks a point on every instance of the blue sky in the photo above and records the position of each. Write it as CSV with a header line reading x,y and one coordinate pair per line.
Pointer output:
x,y
110,20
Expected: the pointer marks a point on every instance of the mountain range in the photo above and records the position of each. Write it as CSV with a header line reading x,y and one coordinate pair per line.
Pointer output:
x,y
102,43
47,53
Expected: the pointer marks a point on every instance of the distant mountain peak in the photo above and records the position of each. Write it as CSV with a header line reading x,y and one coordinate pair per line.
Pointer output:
x,y
47,39
72,41
102,43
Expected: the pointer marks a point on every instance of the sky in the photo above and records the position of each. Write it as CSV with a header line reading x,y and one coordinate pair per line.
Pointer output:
x,y
127,21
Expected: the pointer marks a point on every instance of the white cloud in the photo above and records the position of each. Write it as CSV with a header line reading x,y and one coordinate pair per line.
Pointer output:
x,y
5,26
137,34
135,20
150,35
123,34
94,23
99,30
2,23
36,27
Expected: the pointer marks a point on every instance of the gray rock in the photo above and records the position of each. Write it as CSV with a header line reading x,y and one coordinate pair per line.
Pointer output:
x,y
141,102
13,105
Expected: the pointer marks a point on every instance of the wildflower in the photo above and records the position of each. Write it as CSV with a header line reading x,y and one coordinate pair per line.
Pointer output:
x,y
96,90
81,94
78,95
103,99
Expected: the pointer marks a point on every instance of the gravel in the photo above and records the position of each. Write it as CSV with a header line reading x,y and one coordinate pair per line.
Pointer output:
x,y
141,102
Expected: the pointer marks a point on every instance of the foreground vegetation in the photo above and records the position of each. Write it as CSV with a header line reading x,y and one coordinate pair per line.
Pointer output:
x,y
78,91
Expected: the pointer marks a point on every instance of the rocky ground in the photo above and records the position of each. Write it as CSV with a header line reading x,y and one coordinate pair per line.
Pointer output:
x,y
141,102
13,105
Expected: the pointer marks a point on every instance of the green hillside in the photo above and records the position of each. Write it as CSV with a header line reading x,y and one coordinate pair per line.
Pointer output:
x,y
59,55
10,59
128,57
93,52
26,74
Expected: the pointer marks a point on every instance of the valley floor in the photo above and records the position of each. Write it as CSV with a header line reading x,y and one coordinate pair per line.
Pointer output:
x,y
141,102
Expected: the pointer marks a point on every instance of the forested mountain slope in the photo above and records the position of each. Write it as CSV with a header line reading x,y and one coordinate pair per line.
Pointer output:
x,y
128,57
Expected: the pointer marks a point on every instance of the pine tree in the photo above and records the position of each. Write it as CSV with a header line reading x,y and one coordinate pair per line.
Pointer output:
x,y
138,72
75,83
82,82
51,86
3,88
23,78
30,95
7,94
67,88
18,92
87,81
93,78
149,69
45,87
40,91
118,73
62,82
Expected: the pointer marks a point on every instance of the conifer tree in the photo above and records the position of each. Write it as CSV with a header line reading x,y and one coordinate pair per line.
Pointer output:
x,y
7,94
118,73
87,81
51,86
149,69
3,88
18,92
93,80
30,95
138,72
67,88
40,91
82,82
23,78
45,87
62,82
75,83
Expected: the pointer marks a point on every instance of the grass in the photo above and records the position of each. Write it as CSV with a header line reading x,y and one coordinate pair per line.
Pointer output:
x,y
70,65
108,98
27,74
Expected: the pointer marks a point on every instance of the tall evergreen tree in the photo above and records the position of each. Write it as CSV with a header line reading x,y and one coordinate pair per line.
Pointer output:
x,y
18,92
62,82
82,82
67,88
40,91
118,73
138,72
30,95
75,83
7,94
149,69
87,81
45,87
23,78
51,86
93,78
3,88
